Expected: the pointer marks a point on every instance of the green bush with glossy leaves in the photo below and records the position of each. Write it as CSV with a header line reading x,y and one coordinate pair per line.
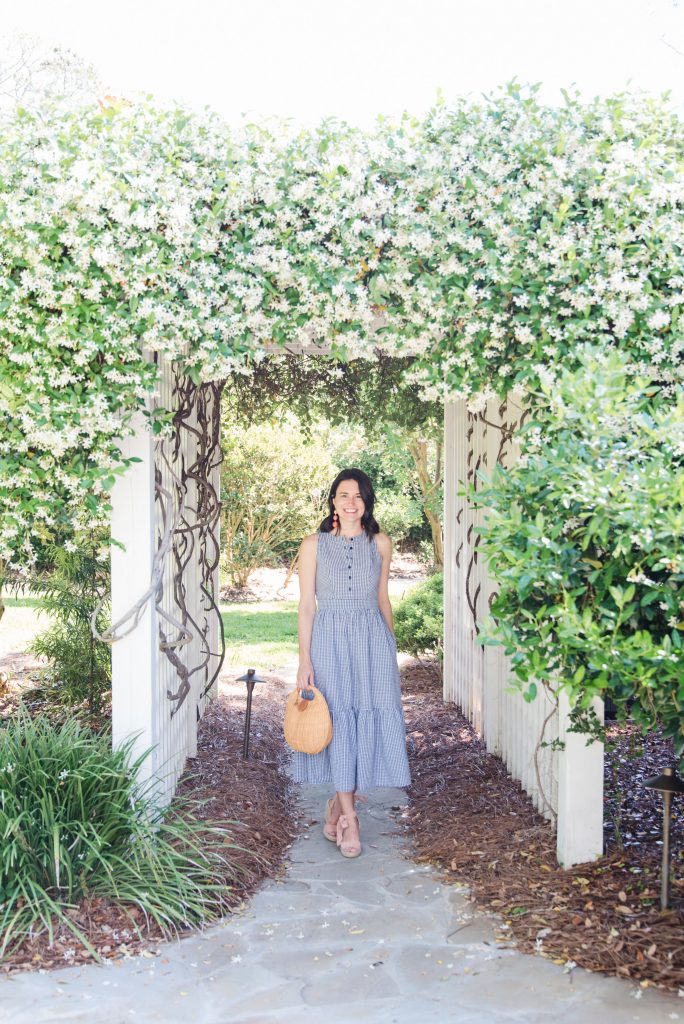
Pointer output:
x,y
585,537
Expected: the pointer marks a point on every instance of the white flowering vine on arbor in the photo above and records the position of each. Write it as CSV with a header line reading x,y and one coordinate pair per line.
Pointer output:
x,y
492,237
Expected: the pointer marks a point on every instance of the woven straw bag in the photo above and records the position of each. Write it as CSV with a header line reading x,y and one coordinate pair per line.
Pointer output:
x,y
307,724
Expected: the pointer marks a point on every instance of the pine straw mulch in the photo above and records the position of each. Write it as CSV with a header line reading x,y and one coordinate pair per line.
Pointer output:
x,y
470,819
253,795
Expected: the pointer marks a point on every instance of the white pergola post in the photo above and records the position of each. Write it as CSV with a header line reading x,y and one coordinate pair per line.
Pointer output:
x,y
451,539
495,669
459,651
580,791
214,638
134,656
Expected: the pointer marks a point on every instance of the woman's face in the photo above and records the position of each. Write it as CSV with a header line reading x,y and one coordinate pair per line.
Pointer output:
x,y
349,504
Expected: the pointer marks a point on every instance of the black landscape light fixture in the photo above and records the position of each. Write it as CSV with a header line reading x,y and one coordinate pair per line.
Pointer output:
x,y
251,678
669,784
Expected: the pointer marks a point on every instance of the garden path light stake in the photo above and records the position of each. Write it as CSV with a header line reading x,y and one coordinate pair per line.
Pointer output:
x,y
668,784
251,678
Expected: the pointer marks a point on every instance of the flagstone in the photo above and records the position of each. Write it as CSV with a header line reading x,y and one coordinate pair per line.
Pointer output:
x,y
376,939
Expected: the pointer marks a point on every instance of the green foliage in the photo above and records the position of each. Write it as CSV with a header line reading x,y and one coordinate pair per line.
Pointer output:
x,y
380,450
74,823
274,482
419,619
493,238
368,392
77,585
585,536
375,412
399,515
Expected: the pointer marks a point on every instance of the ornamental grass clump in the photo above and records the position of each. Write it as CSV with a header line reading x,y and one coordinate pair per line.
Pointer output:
x,y
585,537
75,824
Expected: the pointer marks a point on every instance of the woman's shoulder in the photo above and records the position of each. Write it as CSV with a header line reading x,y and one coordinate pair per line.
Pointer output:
x,y
308,552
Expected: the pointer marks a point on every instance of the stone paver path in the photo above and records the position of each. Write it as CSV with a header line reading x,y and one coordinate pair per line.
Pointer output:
x,y
378,940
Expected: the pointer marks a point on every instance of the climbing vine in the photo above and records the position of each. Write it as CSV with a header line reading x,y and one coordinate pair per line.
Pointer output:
x,y
485,241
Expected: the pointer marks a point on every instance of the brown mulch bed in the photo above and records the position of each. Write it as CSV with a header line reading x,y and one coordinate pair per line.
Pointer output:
x,y
469,818
254,795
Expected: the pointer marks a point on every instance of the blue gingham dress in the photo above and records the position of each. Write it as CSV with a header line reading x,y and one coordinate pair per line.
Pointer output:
x,y
354,659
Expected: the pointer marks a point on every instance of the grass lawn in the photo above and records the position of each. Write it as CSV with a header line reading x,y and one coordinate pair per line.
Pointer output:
x,y
262,635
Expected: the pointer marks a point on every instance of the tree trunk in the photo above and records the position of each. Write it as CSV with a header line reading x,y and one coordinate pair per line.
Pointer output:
x,y
2,603
428,488
291,571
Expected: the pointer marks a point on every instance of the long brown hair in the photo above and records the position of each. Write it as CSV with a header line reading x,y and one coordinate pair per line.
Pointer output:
x,y
367,496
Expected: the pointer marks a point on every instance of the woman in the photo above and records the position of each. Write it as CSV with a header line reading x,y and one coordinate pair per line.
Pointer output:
x,y
347,650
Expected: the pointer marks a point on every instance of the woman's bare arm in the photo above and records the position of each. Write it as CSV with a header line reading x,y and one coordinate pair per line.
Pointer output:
x,y
385,548
307,609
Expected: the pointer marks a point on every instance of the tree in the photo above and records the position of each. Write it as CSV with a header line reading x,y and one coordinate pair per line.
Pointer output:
x,y
430,480
273,491
32,72
75,589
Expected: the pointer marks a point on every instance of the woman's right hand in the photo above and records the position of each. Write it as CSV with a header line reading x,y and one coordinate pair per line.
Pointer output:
x,y
305,676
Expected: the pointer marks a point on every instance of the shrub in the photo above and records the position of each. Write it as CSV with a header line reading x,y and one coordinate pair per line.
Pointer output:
x,y
397,515
74,823
419,619
585,536
72,591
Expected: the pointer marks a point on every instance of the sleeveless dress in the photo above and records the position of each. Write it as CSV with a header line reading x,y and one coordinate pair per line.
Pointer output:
x,y
354,659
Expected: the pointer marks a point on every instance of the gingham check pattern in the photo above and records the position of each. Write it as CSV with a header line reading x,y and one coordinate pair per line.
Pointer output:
x,y
355,666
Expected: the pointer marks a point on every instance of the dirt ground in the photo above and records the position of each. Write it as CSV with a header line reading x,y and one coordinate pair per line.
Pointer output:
x,y
18,627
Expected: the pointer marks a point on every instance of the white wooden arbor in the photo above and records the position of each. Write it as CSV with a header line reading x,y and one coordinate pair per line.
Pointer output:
x,y
168,644
561,774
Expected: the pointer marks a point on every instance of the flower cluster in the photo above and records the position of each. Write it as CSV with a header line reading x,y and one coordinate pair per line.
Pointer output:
x,y
487,241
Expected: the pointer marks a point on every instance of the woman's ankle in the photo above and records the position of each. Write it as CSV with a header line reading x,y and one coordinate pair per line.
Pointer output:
x,y
345,803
